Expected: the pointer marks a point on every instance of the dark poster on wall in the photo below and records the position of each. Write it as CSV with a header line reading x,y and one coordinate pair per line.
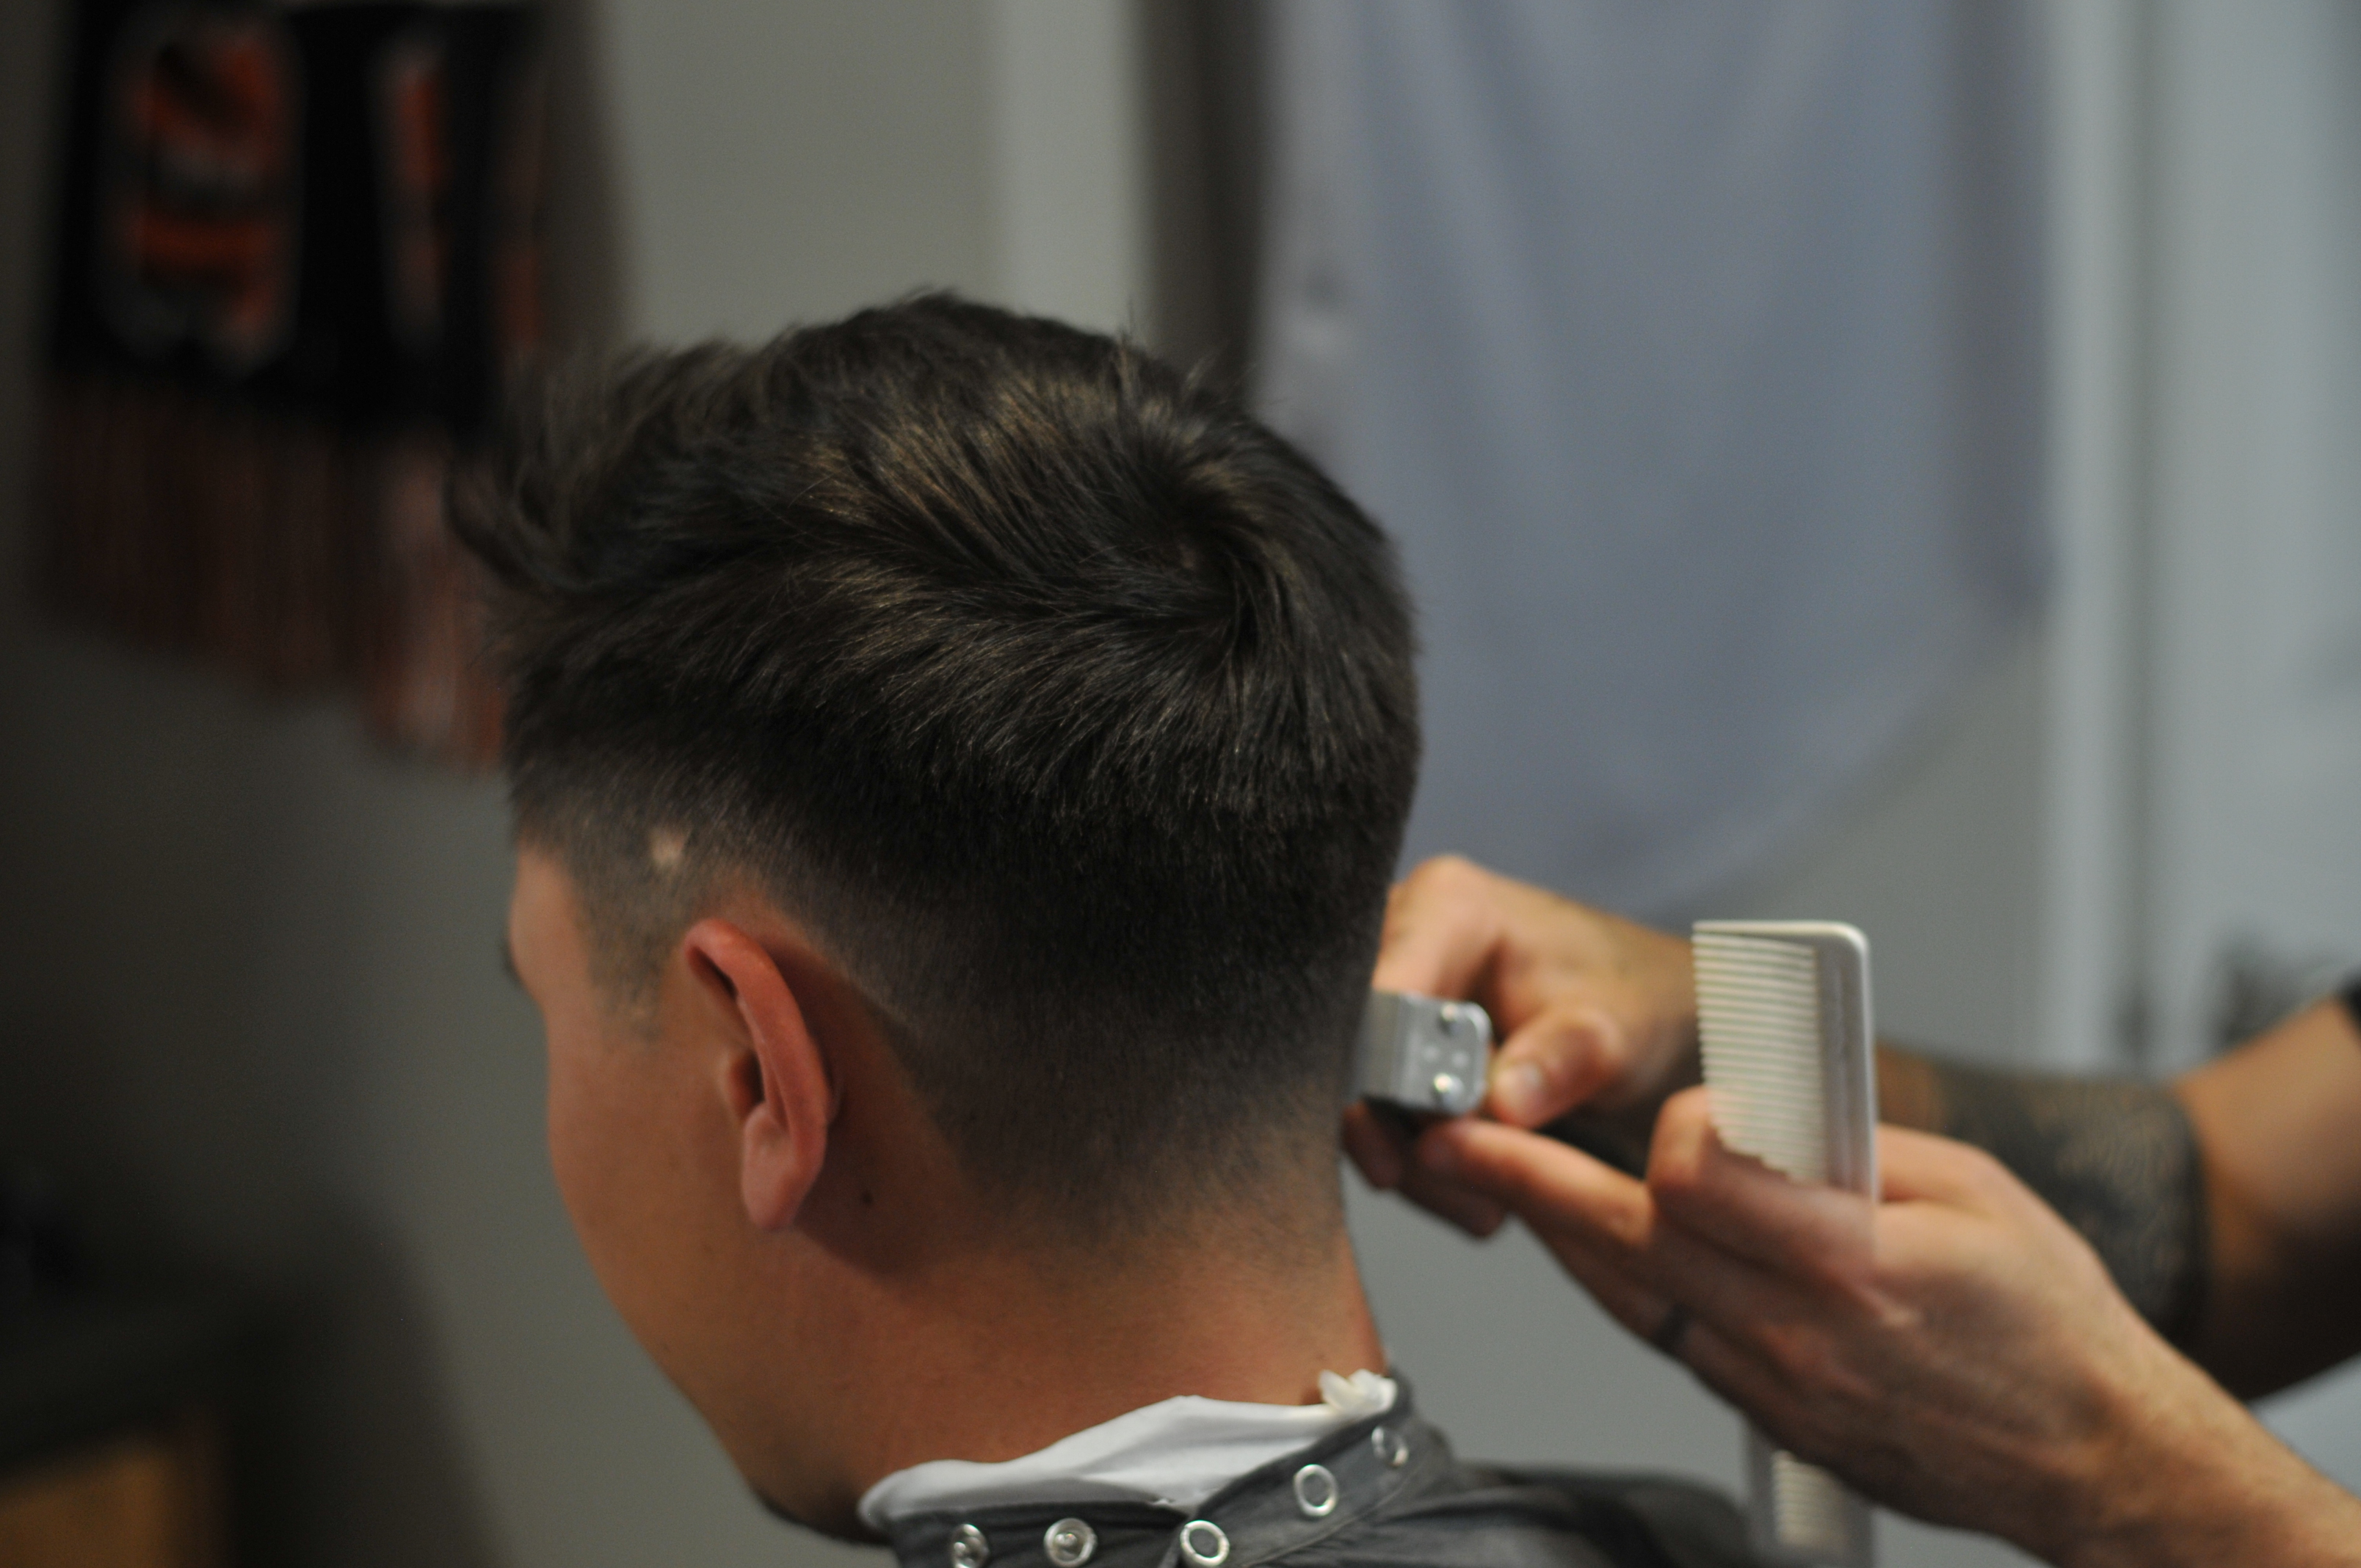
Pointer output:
x,y
297,259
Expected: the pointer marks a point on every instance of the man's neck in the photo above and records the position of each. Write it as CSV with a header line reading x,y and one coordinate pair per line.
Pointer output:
x,y
905,1317
1044,1347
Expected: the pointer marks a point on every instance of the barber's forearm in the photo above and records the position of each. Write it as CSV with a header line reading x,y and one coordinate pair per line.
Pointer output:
x,y
2198,1483
2117,1159
2228,1207
2279,1124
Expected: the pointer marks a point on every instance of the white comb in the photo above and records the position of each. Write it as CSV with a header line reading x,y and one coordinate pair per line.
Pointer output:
x,y
1782,1016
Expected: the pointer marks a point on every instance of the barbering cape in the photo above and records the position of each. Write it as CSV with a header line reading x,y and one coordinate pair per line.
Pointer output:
x,y
1385,1492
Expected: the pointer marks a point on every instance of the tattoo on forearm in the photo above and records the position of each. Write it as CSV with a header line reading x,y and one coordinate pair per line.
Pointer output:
x,y
2117,1158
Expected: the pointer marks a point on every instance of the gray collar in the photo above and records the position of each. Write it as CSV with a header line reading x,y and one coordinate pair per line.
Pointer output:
x,y
1293,1501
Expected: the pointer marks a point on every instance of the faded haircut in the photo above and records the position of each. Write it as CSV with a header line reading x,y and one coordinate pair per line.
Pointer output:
x,y
1070,707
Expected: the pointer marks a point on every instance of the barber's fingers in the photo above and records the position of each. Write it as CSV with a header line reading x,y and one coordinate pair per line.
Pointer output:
x,y
1931,1188
1689,1160
1952,1210
1740,1335
1542,1181
1605,1228
1721,1233
1618,1281
1578,1204
1595,1219
1744,1207
1382,1154
1919,1167
1574,1202
1473,1212
1557,1061
1722,1366
1444,929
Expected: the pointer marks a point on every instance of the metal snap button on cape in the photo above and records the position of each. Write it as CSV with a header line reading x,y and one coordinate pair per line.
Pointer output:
x,y
1202,1543
1316,1491
1070,1543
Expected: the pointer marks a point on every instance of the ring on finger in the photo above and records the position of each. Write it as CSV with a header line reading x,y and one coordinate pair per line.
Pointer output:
x,y
1671,1330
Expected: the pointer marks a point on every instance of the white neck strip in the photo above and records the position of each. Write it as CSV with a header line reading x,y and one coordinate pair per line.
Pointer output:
x,y
1176,1453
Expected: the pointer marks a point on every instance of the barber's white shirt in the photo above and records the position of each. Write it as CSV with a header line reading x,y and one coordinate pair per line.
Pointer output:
x,y
1177,1453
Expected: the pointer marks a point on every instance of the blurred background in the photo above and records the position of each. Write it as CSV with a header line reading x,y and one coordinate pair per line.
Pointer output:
x,y
1886,463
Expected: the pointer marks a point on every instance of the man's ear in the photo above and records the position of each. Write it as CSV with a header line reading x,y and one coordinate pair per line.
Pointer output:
x,y
775,1077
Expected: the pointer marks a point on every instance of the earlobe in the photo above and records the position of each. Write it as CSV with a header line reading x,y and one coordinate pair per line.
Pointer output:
x,y
774,1074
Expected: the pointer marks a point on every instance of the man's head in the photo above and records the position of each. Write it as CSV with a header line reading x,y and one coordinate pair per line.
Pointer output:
x,y
1043,723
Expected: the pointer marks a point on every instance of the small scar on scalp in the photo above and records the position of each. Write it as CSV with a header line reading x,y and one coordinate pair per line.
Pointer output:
x,y
666,847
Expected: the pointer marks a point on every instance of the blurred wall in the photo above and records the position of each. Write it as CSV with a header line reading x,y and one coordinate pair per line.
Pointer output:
x,y
251,1006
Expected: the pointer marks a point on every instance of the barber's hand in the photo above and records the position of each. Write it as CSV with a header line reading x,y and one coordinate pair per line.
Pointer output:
x,y
1593,1012
1954,1351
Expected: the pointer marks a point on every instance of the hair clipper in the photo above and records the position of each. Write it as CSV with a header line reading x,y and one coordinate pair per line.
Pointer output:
x,y
1422,1056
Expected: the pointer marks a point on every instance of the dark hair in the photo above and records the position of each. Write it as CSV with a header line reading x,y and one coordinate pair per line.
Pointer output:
x,y
1071,709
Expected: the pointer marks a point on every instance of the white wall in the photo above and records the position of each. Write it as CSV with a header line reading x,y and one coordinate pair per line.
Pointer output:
x,y
783,162
793,162
1068,182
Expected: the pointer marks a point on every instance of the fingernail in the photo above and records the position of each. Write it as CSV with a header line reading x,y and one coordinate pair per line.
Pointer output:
x,y
1517,1092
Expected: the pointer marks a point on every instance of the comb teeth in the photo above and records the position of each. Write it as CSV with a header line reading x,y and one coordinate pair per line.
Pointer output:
x,y
1809,1505
1759,1025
